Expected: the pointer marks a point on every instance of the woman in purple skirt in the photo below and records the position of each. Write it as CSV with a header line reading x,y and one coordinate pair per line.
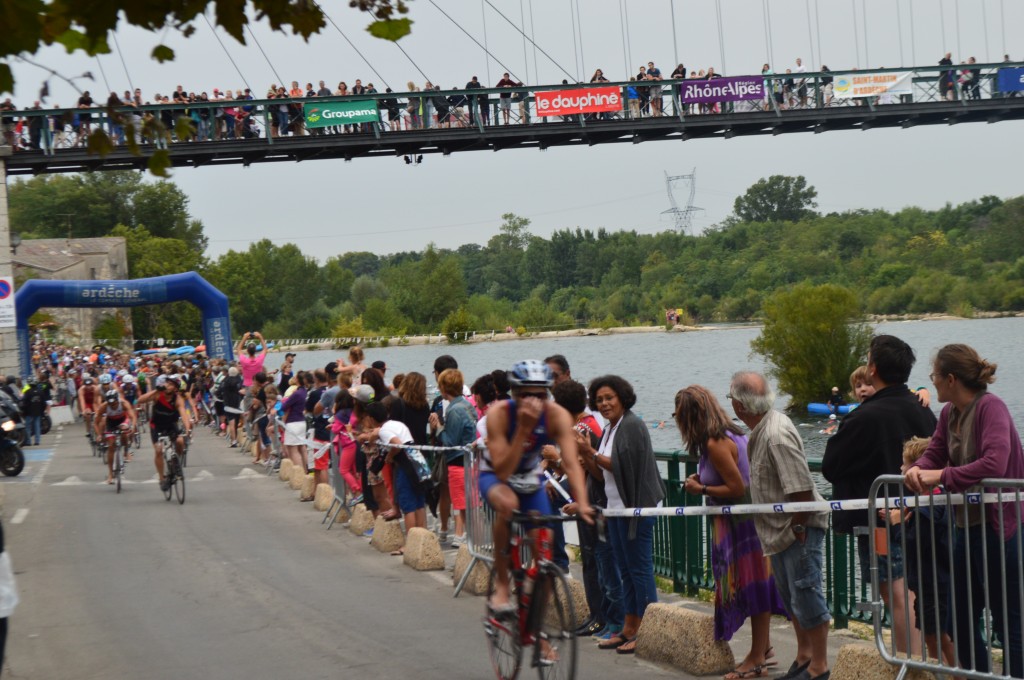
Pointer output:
x,y
744,586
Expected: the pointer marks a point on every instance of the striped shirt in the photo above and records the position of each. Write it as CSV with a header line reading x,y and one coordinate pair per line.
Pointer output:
x,y
778,468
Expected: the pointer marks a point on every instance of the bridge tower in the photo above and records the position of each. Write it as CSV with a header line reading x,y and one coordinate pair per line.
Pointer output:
x,y
682,217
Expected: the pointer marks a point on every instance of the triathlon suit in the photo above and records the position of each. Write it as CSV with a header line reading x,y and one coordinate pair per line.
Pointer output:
x,y
89,396
130,393
116,416
526,481
164,419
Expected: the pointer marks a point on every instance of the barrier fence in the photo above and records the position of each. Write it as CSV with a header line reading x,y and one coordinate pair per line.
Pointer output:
x,y
964,578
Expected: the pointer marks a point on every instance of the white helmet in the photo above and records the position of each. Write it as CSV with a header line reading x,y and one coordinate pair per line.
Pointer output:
x,y
129,379
105,379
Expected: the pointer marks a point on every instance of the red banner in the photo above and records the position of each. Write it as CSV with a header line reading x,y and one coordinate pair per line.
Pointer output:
x,y
588,100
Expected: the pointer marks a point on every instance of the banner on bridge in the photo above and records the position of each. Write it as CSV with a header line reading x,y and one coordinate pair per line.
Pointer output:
x,y
851,85
586,100
739,88
326,114
1011,79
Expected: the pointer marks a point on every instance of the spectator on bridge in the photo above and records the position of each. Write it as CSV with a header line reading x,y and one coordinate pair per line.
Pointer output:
x,y
298,121
644,92
443,108
654,73
947,79
598,77
412,108
505,98
744,585
84,118
794,541
826,86
975,440
801,83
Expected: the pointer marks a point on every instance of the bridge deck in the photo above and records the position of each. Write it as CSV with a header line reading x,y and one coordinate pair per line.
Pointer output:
x,y
537,135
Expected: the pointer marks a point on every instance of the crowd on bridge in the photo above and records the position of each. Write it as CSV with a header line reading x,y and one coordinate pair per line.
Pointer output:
x,y
224,114
402,450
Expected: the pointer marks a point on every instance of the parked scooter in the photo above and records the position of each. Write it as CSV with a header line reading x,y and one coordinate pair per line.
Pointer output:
x,y
12,428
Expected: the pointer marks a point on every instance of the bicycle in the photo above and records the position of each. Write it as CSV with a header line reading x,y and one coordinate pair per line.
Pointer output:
x,y
173,470
544,617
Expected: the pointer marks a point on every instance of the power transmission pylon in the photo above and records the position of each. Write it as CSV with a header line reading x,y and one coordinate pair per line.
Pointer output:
x,y
682,217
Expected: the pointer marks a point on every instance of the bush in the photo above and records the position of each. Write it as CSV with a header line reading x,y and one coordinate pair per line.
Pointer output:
x,y
811,340
457,325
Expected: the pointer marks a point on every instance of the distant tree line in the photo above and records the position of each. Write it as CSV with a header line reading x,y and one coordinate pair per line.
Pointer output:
x,y
957,259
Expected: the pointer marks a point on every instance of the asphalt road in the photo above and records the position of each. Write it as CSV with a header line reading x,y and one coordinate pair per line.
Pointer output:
x,y
241,581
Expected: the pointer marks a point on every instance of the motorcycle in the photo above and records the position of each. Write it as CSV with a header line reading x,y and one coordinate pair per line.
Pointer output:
x,y
12,428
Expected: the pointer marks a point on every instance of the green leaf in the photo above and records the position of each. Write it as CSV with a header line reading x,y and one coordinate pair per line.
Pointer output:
x,y
184,129
99,143
390,29
72,40
163,53
6,79
159,162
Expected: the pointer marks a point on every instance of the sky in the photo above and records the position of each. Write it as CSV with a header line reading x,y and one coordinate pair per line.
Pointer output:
x,y
384,206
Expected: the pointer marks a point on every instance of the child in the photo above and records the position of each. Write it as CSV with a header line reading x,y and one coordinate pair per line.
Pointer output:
x,y
924,534
860,382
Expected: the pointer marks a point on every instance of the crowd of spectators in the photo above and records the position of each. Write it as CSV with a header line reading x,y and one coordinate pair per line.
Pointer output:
x,y
224,114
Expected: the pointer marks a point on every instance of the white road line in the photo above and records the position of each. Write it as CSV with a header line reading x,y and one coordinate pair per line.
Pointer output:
x,y
19,516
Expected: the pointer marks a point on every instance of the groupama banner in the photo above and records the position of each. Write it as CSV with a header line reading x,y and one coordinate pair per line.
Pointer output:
x,y
326,114
586,100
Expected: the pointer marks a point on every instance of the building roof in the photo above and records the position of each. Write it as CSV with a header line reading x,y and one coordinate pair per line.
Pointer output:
x,y
55,254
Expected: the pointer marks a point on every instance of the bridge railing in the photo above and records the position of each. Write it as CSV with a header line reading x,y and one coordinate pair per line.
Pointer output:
x,y
682,551
51,130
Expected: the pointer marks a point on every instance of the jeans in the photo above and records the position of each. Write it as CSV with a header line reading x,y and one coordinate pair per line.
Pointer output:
x,y
33,428
611,584
591,572
969,596
558,554
635,559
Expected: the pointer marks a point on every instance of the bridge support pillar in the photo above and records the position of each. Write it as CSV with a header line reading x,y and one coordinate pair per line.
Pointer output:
x,y
8,335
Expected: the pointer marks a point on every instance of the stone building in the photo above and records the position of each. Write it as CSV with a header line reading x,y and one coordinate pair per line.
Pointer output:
x,y
77,259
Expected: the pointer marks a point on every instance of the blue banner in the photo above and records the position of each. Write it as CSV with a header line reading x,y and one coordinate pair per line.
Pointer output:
x,y
1011,80
127,293
217,331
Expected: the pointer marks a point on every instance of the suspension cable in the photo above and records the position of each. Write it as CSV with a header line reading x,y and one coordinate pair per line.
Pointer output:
x,y
942,23
767,49
810,33
575,48
856,34
356,49
579,20
487,52
629,39
526,59
956,18
533,34
817,26
622,29
984,23
864,9
470,36
899,28
1002,23
913,39
675,42
238,70
269,63
123,64
512,23
103,73
768,26
721,35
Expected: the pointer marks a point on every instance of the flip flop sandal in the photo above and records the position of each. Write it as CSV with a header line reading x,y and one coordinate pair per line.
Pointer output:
x,y
627,650
397,553
755,672
769,658
614,642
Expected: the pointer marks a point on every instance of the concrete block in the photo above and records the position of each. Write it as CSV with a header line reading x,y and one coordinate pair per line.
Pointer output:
x,y
322,497
580,610
423,550
362,520
298,478
345,515
387,536
308,487
284,473
476,584
863,662
683,638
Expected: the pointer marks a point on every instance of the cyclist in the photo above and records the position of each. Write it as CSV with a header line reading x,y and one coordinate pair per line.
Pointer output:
x,y
510,476
87,394
115,412
129,389
168,410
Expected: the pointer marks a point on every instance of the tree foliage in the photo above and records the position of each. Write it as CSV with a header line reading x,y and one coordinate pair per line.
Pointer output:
x,y
776,199
812,339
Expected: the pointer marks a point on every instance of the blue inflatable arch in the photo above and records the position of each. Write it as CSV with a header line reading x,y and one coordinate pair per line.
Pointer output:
x,y
189,286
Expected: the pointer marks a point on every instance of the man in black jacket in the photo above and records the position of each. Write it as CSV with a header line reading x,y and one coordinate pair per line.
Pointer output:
x,y
869,443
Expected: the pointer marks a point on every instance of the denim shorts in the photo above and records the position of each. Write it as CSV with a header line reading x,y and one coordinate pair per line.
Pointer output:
x,y
410,497
893,559
798,577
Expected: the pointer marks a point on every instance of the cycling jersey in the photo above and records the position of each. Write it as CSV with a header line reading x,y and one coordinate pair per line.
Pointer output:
x,y
532,447
164,418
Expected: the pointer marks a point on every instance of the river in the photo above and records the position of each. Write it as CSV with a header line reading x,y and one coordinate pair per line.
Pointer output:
x,y
659,364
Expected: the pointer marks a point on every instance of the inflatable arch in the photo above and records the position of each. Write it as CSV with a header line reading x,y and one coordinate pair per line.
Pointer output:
x,y
189,286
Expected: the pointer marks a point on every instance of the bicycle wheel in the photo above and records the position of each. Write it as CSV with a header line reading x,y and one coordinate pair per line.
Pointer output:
x,y
179,483
117,467
170,470
504,644
555,648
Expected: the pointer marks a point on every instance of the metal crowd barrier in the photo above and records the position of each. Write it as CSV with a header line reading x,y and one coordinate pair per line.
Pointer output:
x,y
978,616
338,485
479,518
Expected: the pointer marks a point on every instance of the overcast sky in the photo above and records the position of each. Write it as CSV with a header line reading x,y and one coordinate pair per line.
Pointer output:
x,y
382,205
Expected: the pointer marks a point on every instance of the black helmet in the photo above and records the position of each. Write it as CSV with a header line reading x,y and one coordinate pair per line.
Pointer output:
x,y
111,396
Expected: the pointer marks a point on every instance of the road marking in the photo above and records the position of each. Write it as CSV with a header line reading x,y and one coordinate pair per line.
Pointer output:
x,y
442,577
70,481
203,474
248,473
19,516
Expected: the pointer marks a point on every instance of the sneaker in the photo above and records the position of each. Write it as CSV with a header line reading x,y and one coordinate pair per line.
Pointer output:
x,y
356,500
458,540
442,536
368,533
234,445
165,483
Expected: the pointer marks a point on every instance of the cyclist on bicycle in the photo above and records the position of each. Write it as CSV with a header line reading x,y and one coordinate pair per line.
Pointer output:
x,y
129,389
115,412
510,476
168,410
87,394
